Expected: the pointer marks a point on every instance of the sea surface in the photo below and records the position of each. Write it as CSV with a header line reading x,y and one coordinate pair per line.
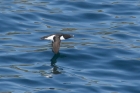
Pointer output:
x,y
103,56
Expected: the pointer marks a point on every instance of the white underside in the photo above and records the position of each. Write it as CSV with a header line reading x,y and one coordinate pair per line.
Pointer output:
x,y
62,38
51,38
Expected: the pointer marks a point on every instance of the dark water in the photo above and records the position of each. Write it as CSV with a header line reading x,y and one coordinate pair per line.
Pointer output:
x,y
103,57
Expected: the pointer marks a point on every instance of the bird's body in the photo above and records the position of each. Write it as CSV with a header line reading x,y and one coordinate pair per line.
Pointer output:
x,y
56,40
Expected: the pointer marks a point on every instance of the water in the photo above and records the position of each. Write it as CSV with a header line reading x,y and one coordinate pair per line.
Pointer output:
x,y
103,57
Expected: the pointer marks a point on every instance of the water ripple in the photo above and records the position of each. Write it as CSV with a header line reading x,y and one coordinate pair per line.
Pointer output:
x,y
102,57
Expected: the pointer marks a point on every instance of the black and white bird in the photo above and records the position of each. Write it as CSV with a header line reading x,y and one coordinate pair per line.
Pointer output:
x,y
56,40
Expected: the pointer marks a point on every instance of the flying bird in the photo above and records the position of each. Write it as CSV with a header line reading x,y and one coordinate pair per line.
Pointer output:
x,y
56,40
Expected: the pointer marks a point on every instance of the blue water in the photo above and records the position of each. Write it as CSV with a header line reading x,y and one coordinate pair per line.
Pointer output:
x,y
103,57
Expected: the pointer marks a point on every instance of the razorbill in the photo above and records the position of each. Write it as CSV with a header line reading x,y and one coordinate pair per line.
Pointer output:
x,y
56,40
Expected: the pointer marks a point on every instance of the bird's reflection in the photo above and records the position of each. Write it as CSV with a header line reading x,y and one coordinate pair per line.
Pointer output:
x,y
53,64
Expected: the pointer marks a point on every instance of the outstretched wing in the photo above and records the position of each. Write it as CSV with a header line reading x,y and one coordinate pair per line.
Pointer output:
x,y
49,37
66,36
